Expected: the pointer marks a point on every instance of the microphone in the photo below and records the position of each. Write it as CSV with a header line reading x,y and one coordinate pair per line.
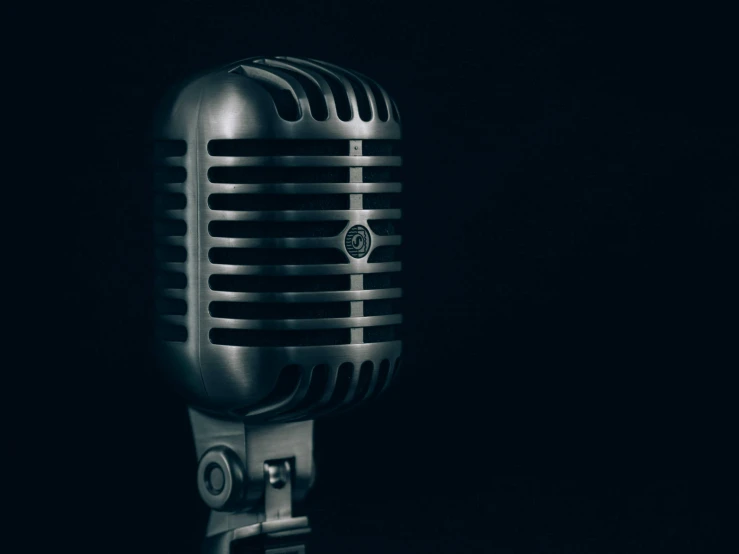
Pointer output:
x,y
277,240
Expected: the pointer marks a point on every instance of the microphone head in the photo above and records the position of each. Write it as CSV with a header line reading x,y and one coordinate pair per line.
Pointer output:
x,y
277,239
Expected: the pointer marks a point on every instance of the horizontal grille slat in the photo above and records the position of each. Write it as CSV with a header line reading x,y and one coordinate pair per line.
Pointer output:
x,y
393,240
279,310
303,283
284,242
276,256
269,202
303,163
318,296
306,215
299,147
278,147
304,188
275,229
260,174
295,270
300,324
264,338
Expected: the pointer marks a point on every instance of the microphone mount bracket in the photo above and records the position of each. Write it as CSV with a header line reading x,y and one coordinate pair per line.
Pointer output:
x,y
250,476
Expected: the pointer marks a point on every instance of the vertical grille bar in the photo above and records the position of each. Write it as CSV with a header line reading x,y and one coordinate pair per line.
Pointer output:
x,y
356,176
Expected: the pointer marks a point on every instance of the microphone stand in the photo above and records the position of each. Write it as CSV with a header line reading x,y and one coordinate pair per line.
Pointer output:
x,y
250,475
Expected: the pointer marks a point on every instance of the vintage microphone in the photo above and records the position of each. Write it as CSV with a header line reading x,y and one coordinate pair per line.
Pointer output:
x,y
277,243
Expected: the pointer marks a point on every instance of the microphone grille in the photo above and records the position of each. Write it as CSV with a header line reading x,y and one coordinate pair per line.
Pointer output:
x,y
279,227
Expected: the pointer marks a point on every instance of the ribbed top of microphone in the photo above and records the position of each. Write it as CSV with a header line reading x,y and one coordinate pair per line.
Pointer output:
x,y
323,90
277,211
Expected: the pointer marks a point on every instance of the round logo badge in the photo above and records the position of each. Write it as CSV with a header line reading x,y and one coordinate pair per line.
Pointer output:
x,y
357,241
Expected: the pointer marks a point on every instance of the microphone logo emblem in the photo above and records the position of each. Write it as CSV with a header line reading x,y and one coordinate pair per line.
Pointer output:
x,y
357,241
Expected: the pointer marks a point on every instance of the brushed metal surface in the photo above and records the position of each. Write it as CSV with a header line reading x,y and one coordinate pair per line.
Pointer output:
x,y
236,102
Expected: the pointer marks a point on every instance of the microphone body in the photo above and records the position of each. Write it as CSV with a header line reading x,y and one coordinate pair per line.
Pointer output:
x,y
277,295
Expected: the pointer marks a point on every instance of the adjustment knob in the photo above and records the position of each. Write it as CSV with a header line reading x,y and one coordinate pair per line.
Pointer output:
x,y
221,478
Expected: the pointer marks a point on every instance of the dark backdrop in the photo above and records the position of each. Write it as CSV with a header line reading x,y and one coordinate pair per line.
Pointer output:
x,y
570,235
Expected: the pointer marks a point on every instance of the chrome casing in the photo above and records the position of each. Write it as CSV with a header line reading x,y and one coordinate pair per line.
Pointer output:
x,y
272,382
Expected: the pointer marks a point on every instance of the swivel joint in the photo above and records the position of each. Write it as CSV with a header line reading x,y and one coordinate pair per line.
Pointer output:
x,y
221,479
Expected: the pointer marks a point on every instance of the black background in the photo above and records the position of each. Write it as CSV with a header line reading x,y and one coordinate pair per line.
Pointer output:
x,y
570,235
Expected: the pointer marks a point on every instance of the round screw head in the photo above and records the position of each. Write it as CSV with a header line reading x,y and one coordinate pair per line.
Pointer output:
x,y
215,480
221,479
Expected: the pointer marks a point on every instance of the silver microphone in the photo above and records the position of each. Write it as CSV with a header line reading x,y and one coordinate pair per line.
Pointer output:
x,y
277,241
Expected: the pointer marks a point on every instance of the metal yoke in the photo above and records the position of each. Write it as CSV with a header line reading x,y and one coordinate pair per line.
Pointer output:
x,y
250,476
